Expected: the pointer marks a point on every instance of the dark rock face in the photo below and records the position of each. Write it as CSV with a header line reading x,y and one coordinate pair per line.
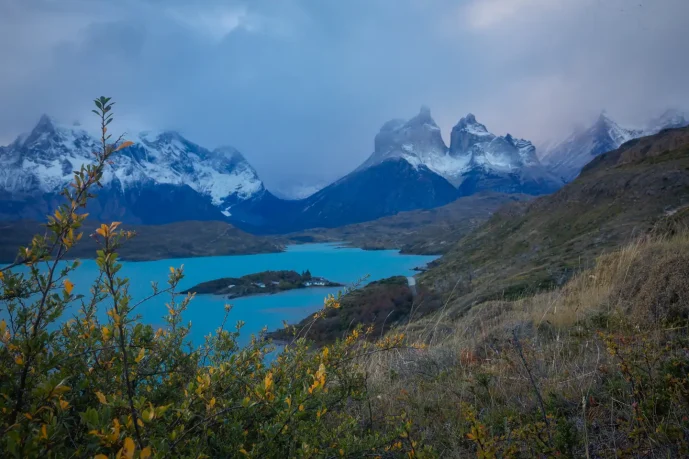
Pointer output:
x,y
383,189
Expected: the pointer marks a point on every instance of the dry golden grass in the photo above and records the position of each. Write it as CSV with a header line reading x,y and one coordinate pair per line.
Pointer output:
x,y
552,353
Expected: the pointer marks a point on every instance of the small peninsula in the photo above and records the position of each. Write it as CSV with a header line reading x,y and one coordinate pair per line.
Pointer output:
x,y
261,283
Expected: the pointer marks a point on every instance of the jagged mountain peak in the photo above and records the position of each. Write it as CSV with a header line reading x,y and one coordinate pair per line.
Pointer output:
x,y
474,152
45,122
670,118
566,159
423,117
469,121
43,161
604,120
418,138
468,131
423,120
46,131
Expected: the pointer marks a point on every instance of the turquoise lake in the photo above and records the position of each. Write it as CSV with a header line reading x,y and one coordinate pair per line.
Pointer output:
x,y
205,312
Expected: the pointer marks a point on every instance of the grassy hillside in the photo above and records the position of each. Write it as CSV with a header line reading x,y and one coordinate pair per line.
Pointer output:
x,y
427,232
539,244
595,368
174,240
564,327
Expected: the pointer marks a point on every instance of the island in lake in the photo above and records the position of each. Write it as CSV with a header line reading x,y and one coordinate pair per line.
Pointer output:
x,y
263,282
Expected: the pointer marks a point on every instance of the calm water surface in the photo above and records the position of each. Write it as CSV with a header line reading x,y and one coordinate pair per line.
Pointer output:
x,y
205,312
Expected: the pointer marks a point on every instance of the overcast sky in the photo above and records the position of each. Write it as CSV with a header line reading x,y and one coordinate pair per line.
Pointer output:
x,y
301,87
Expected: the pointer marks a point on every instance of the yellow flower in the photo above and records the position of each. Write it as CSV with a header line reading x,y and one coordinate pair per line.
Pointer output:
x,y
69,286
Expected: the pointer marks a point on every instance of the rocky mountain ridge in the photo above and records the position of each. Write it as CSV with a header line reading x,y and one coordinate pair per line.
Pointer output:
x,y
566,159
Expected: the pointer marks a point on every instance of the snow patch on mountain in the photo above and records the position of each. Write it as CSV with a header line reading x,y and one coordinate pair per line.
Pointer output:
x,y
473,149
44,161
568,157
481,150
671,118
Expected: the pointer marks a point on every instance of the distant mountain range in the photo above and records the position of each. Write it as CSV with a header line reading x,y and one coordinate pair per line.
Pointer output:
x,y
165,178
566,158
162,178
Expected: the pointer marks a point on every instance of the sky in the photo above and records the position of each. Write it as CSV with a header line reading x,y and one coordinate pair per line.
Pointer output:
x,y
301,87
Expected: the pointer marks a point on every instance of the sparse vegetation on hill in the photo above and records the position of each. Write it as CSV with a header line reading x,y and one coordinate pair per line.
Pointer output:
x,y
595,368
538,245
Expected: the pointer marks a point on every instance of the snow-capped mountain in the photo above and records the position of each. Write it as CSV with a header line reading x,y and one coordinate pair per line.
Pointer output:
x,y
476,159
670,119
419,141
495,163
566,158
160,168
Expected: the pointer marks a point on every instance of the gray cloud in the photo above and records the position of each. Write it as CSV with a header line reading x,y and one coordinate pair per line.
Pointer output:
x,y
301,87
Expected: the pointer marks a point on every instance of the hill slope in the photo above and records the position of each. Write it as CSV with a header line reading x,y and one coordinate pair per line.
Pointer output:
x,y
532,245
422,231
